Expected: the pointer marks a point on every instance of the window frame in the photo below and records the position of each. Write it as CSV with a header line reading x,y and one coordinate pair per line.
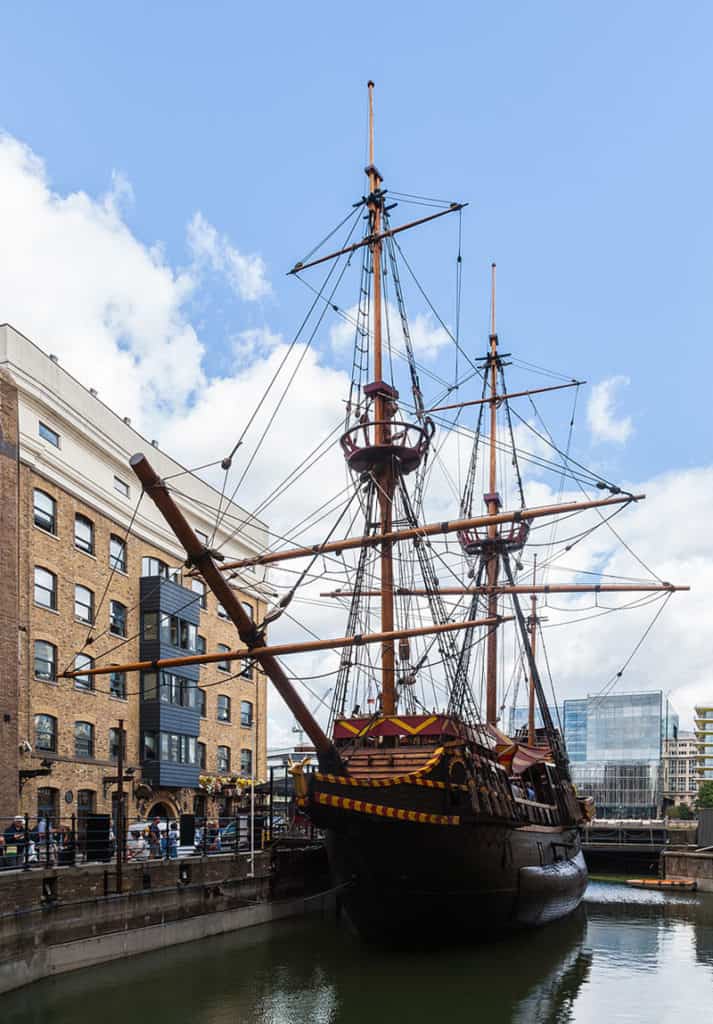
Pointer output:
x,y
117,689
86,547
223,666
222,752
49,434
114,563
201,755
199,587
246,719
246,773
121,487
202,703
53,648
223,708
86,684
52,732
52,605
90,605
123,615
90,741
52,529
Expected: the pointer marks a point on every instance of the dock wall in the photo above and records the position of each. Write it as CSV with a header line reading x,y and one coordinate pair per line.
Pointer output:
x,y
64,919
695,865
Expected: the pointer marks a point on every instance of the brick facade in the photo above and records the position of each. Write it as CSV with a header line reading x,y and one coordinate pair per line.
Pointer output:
x,y
9,668
25,545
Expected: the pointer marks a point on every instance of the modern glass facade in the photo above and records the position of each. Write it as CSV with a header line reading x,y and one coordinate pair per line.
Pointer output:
x,y
616,745
517,718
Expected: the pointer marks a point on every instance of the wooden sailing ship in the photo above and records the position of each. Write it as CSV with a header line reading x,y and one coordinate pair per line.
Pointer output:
x,y
438,823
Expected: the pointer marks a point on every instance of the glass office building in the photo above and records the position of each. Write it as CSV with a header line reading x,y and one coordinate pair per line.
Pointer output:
x,y
616,746
704,742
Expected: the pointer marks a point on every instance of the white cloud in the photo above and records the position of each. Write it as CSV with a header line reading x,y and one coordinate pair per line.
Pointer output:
x,y
602,417
245,274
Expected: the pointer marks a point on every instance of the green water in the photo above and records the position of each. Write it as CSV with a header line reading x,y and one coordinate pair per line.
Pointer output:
x,y
627,955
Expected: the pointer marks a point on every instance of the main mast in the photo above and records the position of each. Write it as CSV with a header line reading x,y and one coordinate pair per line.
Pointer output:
x,y
493,503
384,408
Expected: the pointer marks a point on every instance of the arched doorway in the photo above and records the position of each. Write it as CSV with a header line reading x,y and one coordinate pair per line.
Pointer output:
x,y
161,810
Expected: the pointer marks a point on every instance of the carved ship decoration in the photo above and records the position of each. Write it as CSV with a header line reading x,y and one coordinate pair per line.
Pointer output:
x,y
437,822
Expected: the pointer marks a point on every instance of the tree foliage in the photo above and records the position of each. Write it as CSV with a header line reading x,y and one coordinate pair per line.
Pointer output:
x,y
705,795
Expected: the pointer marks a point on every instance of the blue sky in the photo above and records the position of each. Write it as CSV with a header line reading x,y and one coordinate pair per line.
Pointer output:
x,y
580,137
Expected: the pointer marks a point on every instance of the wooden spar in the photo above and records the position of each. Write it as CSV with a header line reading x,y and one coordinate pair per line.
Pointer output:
x,y
277,650
429,530
533,642
370,240
525,588
199,556
493,505
384,410
510,394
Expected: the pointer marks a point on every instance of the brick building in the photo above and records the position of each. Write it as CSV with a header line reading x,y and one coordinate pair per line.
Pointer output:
x,y
89,577
680,772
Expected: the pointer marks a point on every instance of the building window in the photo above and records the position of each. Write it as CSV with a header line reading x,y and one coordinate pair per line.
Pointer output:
x,y
202,703
170,630
223,712
83,604
199,587
44,511
154,567
117,684
148,751
248,671
84,534
45,588
248,608
246,762
222,614
246,713
114,738
48,803
49,434
200,644
46,733
83,739
121,486
200,748
222,760
224,666
117,553
169,688
117,618
86,802
82,662
202,537
45,660
177,749
199,806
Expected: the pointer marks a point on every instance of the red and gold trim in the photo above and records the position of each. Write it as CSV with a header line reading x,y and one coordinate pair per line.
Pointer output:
x,y
395,725
412,779
365,807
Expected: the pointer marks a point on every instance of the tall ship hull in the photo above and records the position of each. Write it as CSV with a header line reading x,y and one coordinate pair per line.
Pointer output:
x,y
437,841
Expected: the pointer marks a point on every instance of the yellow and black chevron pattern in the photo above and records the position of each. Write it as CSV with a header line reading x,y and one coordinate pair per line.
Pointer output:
x,y
365,807
412,779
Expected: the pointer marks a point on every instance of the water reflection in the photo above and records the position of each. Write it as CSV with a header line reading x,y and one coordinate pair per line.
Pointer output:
x,y
627,955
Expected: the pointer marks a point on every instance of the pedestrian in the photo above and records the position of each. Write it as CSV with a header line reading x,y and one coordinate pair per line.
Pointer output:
x,y
155,838
530,791
15,842
136,848
66,849
173,840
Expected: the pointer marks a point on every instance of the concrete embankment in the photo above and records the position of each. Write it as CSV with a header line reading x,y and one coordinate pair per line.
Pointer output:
x,y
697,865
64,919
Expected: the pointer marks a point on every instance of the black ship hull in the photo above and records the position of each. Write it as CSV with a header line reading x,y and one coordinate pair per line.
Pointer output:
x,y
409,883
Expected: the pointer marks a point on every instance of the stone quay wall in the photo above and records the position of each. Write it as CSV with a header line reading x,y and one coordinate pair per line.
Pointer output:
x,y
63,919
698,866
